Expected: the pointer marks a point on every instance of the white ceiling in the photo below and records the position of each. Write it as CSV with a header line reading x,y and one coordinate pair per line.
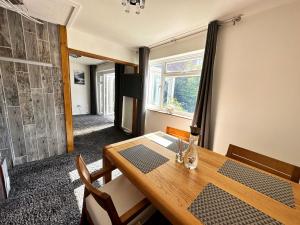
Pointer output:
x,y
55,11
86,60
159,20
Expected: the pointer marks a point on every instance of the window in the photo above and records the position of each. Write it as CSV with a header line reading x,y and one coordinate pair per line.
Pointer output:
x,y
174,83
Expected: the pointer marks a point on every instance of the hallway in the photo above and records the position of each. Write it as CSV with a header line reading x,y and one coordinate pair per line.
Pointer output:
x,y
85,124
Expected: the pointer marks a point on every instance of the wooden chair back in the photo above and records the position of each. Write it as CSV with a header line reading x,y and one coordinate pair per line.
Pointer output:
x,y
184,135
271,165
103,199
83,170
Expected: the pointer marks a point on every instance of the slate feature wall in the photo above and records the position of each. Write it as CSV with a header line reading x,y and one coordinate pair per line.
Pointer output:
x,y
32,122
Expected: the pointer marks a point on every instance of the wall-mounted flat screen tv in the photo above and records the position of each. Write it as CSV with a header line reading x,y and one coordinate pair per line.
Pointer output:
x,y
131,85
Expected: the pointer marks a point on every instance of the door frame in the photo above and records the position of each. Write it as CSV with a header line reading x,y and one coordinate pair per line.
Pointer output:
x,y
103,73
106,76
65,70
98,91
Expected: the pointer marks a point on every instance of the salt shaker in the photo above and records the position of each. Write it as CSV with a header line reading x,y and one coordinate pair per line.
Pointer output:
x,y
179,155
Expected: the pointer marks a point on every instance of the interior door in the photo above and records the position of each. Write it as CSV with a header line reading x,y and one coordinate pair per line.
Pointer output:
x,y
106,92
100,93
109,93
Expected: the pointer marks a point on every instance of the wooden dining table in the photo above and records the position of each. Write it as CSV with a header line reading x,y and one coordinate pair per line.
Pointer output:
x,y
171,188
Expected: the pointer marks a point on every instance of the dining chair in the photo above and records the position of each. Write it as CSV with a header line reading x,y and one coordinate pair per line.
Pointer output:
x,y
118,202
184,135
266,163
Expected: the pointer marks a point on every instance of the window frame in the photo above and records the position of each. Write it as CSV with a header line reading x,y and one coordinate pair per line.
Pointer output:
x,y
164,74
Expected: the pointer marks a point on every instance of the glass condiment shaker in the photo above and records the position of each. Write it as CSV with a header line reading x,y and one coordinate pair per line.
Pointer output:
x,y
191,154
179,155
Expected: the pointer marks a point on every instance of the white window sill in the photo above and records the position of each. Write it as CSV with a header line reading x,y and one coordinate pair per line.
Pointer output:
x,y
170,114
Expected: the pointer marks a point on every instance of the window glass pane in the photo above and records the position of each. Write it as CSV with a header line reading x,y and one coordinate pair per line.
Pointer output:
x,y
186,65
168,91
155,85
180,93
174,82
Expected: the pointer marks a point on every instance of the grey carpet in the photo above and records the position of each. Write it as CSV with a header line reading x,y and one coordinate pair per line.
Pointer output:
x,y
81,122
43,192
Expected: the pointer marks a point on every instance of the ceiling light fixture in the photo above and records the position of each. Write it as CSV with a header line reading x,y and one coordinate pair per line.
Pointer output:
x,y
139,4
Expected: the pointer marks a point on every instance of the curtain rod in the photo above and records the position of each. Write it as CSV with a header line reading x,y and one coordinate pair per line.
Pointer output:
x,y
198,30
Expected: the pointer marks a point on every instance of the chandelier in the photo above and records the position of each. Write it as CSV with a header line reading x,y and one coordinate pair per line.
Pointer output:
x,y
138,4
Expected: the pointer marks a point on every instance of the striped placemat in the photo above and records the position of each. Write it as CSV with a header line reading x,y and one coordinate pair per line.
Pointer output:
x,y
273,187
214,206
167,141
143,158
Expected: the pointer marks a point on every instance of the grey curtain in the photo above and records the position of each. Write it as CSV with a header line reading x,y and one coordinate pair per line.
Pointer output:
x,y
141,106
119,71
93,89
203,105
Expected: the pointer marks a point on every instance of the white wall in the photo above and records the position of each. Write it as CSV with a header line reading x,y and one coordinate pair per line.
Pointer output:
x,y
256,99
97,45
158,121
80,93
106,66
256,84
189,44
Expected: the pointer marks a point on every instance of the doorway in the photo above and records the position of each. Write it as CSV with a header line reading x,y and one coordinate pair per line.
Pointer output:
x,y
92,94
106,93
65,69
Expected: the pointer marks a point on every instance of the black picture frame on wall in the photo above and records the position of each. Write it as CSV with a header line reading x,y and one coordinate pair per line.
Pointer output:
x,y
79,77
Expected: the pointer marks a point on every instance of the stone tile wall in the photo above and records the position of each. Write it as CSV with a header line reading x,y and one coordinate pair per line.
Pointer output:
x,y
32,123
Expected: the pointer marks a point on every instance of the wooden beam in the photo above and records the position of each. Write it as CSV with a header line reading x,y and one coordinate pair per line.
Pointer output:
x,y
100,57
65,69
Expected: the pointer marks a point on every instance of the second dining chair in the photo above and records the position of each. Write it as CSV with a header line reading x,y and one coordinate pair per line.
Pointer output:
x,y
184,135
118,202
266,163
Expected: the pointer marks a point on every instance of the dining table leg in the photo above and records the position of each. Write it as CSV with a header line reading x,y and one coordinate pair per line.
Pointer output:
x,y
106,164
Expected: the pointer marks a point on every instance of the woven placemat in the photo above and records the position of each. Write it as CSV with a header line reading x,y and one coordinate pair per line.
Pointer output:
x,y
143,158
268,185
214,206
173,142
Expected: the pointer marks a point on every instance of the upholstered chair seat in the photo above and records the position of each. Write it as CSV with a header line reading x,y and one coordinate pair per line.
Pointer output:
x,y
124,196
117,202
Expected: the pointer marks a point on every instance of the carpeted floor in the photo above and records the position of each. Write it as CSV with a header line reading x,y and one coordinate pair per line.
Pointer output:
x,y
84,124
49,191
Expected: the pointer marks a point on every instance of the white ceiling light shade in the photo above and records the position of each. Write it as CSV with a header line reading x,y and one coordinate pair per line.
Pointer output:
x,y
139,4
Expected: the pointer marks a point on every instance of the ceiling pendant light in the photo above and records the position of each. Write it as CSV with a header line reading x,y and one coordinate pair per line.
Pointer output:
x,y
138,9
139,4
127,7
